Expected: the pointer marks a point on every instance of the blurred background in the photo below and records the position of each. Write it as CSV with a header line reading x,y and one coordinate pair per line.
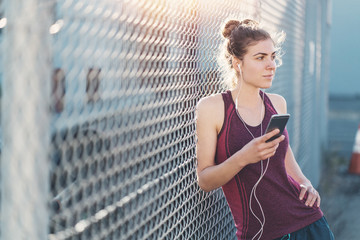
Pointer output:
x,y
344,87
97,113
340,190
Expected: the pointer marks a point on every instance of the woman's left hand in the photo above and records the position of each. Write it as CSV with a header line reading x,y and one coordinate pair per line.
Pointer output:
x,y
313,195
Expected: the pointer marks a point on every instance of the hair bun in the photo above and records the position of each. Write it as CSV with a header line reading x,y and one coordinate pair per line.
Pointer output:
x,y
249,23
232,24
229,27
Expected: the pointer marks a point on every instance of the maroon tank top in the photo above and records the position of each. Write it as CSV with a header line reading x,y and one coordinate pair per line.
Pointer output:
x,y
277,192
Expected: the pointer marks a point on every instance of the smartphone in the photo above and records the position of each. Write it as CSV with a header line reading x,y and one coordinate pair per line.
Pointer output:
x,y
277,121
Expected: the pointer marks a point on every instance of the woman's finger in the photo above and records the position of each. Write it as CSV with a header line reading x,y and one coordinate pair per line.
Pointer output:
x,y
270,134
318,201
266,154
302,191
311,199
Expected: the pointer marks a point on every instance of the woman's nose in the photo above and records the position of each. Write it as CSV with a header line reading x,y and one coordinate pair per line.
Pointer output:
x,y
271,65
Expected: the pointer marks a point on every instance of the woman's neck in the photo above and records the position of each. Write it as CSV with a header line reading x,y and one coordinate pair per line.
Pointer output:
x,y
247,97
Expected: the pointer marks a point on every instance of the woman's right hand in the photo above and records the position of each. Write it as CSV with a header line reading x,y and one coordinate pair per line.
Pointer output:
x,y
258,149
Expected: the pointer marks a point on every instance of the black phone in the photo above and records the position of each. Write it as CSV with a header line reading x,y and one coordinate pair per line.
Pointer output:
x,y
277,121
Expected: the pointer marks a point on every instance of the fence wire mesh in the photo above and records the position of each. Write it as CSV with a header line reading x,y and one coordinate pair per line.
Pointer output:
x,y
126,77
123,165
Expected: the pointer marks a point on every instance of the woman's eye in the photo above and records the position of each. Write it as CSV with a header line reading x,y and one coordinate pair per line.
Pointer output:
x,y
261,58
273,57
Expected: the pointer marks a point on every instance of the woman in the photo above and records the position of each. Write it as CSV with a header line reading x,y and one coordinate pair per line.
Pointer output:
x,y
268,195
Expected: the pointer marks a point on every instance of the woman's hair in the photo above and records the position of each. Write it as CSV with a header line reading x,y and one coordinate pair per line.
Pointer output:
x,y
239,35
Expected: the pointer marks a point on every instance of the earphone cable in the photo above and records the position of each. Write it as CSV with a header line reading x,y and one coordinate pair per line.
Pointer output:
x,y
263,171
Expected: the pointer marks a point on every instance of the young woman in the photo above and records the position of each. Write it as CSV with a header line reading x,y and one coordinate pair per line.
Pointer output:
x,y
268,195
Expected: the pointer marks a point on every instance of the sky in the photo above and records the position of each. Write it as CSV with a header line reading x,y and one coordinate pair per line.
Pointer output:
x,y
345,48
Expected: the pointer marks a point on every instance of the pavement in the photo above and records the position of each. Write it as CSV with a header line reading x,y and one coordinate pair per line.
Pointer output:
x,y
340,198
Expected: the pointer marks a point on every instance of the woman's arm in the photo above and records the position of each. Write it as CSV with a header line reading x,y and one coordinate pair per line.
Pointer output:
x,y
208,122
292,167
209,119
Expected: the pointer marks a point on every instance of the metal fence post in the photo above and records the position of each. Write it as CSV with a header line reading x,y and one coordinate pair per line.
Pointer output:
x,y
25,120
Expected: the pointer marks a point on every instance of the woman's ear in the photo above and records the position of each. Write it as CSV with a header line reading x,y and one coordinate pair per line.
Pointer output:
x,y
237,65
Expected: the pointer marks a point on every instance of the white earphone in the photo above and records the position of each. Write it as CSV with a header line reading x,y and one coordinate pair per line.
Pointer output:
x,y
262,174
239,68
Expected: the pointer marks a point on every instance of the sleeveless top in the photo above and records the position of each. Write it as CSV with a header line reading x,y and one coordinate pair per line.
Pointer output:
x,y
277,192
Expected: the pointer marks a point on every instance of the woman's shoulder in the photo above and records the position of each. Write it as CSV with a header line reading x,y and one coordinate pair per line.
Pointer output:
x,y
279,102
211,109
210,101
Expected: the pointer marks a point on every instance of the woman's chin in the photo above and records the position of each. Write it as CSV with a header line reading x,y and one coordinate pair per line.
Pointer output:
x,y
266,86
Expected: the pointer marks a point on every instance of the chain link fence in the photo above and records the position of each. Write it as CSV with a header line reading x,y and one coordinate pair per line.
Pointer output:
x,y
98,131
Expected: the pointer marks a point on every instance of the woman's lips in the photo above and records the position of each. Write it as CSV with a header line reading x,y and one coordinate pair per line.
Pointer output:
x,y
268,76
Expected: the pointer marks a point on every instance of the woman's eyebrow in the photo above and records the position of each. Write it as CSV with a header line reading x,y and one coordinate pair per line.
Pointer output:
x,y
265,54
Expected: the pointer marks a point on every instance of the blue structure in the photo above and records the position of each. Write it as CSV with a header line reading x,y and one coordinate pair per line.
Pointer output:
x,y
345,51
344,87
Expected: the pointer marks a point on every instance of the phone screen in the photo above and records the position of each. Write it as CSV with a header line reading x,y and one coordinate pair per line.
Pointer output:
x,y
277,121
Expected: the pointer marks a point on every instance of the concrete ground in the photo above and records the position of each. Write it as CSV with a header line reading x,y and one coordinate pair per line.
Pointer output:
x,y
340,196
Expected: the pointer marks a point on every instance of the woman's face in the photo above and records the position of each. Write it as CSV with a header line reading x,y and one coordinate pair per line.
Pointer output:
x,y
258,65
